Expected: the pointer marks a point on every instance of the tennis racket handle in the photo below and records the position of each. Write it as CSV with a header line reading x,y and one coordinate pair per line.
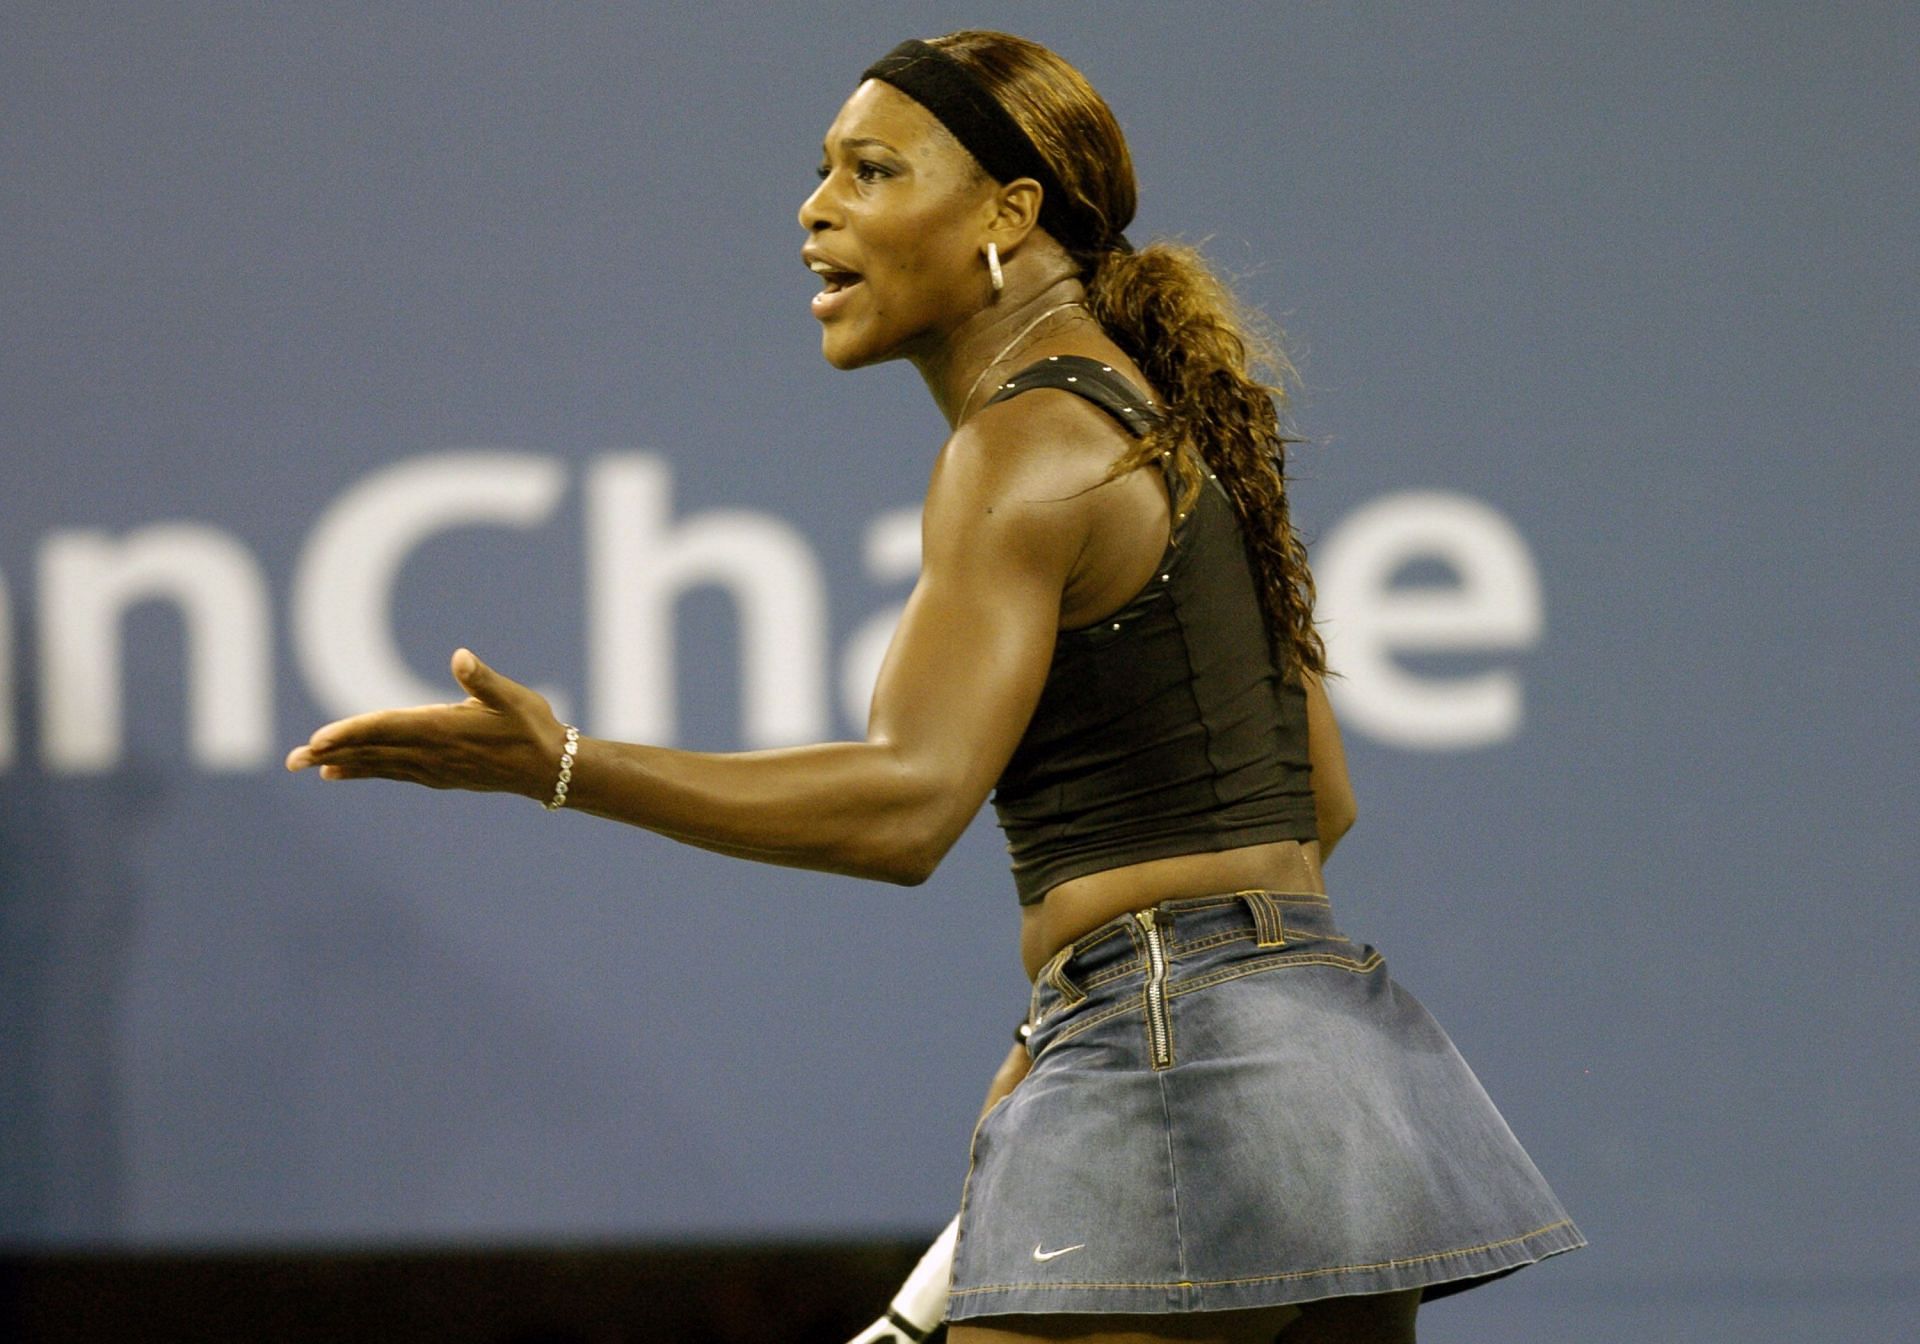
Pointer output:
x,y
921,1303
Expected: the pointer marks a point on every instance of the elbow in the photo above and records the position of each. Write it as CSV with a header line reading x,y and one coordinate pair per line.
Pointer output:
x,y
1342,821
905,867
901,835
903,874
912,862
912,849
1333,819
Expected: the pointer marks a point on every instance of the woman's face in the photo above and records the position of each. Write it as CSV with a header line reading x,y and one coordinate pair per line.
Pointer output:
x,y
894,230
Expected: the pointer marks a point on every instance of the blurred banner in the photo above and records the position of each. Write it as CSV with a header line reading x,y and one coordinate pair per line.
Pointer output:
x,y
341,336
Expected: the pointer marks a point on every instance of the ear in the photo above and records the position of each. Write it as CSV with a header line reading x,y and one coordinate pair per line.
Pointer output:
x,y
1013,214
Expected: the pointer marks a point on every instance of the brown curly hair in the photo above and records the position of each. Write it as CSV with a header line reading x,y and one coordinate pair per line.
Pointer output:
x,y
1175,319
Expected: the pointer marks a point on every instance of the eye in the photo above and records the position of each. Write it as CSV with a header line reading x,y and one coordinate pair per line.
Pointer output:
x,y
864,170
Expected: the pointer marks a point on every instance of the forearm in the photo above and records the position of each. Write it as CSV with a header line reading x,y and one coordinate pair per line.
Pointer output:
x,y
846,807
1007,1077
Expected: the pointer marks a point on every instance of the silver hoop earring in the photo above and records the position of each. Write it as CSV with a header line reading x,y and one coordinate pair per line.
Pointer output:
x,y
994,273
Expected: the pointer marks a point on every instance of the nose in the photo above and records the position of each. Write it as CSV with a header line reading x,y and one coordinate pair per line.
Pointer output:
x,y
816,210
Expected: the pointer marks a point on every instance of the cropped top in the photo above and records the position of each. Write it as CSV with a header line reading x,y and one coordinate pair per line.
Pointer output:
x,y
1164,728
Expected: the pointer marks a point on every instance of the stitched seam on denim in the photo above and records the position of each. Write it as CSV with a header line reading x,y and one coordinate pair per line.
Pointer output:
x,y
1214,940
1300,957
1174,945
1313,898
1080,946
1111,974
1178,942
1197,905
1070,993
1054,973
1277,963
1294,939
1187,905
1268,925
966,1186
1068,1033
1093,983
1181,909
1047,968
1278,1278
1173,1178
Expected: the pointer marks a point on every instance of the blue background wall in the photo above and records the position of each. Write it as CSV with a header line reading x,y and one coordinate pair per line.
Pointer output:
x,y
1636,283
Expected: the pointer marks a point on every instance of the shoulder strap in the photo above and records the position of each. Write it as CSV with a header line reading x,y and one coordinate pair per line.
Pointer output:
x,y
1099,383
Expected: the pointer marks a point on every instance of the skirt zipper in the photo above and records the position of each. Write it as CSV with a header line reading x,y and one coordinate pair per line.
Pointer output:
x,y
1159,1031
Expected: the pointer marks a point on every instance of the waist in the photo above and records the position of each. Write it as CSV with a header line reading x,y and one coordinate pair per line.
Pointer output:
x,y
1082,904
1104,960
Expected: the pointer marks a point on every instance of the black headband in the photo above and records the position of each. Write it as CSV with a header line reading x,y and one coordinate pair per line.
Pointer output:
x,y
949,90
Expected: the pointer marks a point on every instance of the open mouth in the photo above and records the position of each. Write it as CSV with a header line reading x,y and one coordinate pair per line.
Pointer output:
x,y
833,280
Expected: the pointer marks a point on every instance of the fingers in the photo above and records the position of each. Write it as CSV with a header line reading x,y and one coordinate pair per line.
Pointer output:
x,y
481,743
386,727
380,763
309,753
468,670
482,682
426,726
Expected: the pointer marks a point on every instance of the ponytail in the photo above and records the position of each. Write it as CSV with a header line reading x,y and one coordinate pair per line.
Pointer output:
x,y
1203,353
1172,317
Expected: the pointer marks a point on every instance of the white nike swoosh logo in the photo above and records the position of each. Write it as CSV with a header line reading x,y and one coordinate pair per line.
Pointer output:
x,y
1044,1256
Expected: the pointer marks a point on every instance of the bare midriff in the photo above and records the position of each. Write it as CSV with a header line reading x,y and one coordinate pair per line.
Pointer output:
x,y
1083,904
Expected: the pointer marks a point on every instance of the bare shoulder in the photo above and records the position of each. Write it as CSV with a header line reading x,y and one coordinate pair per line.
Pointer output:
x,y
1030,481
1045,449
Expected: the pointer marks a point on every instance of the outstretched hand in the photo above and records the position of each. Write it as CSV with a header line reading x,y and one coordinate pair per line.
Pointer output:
x,y
503,738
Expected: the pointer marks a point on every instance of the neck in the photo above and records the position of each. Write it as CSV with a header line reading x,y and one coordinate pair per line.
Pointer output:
x,y
958,370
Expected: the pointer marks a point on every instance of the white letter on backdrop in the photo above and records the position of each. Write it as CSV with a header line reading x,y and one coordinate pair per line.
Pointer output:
x,y
87,582
344,582
892,553
1493,605
639,564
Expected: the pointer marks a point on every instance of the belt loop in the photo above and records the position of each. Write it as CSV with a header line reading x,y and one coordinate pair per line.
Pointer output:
x,y
1056,975
1268,928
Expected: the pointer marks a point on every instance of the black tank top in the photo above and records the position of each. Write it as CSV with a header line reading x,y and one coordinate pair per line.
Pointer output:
x,y
1165,728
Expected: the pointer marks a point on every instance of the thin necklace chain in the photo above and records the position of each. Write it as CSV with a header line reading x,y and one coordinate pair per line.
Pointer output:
x,y
1008,349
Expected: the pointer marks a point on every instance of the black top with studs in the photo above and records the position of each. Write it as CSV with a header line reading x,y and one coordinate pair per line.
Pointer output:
x,y
1165,727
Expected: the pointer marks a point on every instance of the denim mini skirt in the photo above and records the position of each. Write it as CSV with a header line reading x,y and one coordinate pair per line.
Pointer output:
x,y
1233,1106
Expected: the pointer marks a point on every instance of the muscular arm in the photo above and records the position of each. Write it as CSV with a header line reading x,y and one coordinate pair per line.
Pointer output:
x,y
953,696
1004,524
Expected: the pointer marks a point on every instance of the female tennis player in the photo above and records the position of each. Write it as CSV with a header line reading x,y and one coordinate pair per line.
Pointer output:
x,y
1221,1120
